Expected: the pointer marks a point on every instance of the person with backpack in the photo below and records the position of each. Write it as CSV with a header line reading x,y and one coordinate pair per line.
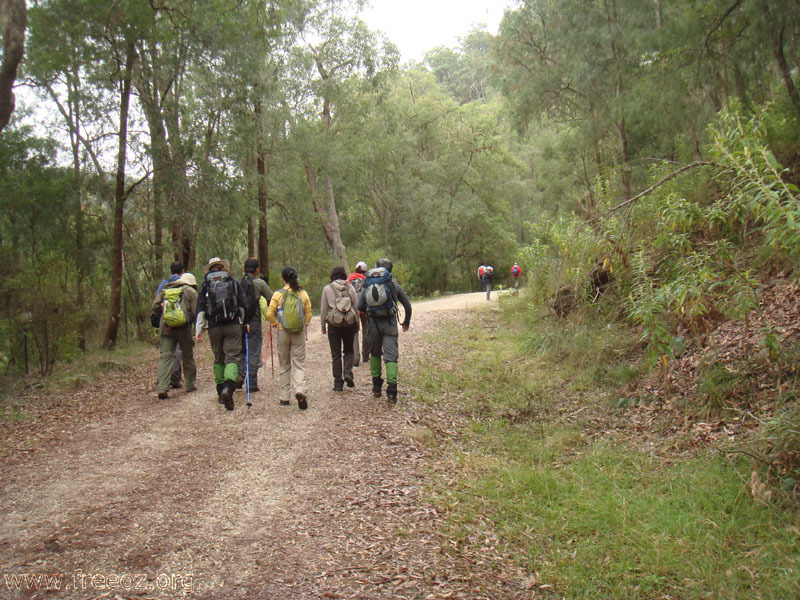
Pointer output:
x,y
176,269
516,275
481,269
379,300
175,305
290,311
339,318
221,307
488,273
356,279
254,289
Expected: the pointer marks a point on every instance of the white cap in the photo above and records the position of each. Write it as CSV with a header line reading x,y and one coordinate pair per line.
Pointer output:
x,y
361,265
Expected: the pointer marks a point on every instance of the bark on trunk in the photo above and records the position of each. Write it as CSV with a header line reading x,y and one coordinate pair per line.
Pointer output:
x,y
115,301
261,186
326,209
14,17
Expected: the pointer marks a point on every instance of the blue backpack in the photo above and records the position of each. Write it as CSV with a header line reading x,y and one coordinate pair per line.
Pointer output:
x,y
379,292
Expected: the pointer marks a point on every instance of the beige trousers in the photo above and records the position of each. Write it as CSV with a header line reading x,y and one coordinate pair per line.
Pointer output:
x,y
292,359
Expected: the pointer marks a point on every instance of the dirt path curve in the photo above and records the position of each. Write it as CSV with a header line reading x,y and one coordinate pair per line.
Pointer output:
x,y
115,494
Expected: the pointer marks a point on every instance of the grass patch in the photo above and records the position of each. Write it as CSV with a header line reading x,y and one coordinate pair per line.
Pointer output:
x,y
596,517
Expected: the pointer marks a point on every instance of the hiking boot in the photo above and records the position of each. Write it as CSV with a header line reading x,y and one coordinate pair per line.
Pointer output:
x,y
191,388
239,382
349,381
176,385
163,395
391,392
365,359
227,394
220,387
285,403
377,383
302,404
254,388
338,386
356,361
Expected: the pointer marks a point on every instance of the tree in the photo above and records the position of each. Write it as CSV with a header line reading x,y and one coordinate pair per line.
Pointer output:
x,y
13,18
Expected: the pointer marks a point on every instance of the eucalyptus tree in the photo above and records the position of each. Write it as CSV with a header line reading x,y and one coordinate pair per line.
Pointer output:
x,y
13,20
340,60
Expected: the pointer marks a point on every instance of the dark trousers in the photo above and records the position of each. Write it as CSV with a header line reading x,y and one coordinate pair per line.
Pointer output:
x,y
341,341
253,352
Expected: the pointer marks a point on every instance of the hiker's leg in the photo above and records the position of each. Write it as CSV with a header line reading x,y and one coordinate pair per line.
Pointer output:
x,y
187,350
254,344
364,339
175,375
232,347
284,364
166,349
298,356
348,340
335,343
488,291
391,353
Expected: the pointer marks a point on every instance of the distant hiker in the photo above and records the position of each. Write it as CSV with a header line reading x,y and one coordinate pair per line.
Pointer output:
x,y
176,305
176,269
290,311
488,273
356,279
516,274
481,269
255,289
221,306
379,300
339,317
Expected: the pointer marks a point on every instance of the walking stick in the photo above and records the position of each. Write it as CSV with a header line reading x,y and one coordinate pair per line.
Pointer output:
x,y
247,368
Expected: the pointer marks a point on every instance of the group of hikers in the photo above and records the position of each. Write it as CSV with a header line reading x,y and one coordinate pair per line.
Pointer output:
x,y
486,272
233,310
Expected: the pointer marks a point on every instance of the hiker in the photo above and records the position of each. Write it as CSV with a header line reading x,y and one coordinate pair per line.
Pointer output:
x,y
488,273
356,279
481,269
255,289
339,318
176,269
290,311
176,305
221,307
516,275
379,300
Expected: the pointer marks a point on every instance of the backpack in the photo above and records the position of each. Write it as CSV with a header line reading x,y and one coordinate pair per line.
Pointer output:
x,y
379,292
250,298
223,303
358,284
515,271
174,315
291,315
342,313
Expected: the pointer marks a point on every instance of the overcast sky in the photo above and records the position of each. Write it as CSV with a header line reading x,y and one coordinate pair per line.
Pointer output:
x,y
416,26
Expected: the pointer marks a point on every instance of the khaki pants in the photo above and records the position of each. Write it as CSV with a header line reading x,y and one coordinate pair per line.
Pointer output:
x,y
292,359
172,337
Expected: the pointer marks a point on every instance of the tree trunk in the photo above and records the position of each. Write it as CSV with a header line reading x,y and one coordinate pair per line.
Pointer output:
x,y
329,216
14,19
115,301
261,186
777,27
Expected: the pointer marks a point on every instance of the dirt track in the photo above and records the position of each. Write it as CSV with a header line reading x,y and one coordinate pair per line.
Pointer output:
x,y
117,494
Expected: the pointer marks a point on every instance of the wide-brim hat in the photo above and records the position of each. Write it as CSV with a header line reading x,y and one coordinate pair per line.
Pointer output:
x,y
187,279
216,261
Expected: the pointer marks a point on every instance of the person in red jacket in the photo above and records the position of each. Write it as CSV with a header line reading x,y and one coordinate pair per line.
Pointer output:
x,y
356,279
516,274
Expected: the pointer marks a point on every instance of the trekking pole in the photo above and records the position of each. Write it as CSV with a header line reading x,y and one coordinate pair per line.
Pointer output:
x,y
247,368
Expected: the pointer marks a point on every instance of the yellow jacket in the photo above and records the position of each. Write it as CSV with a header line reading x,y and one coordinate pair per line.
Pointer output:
x,y
277,299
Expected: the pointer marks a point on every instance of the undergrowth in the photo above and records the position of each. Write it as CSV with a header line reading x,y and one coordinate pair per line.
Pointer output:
x,y
602,516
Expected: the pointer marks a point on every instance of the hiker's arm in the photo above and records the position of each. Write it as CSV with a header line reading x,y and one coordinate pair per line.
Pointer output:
x,y
306,307
200,325
156,306
403,298
323,310
273,306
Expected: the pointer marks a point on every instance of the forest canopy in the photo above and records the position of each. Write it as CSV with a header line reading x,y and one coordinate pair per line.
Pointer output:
x,y
146,132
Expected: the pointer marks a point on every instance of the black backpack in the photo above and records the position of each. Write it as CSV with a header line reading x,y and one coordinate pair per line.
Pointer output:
x,y
251,307
223,303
